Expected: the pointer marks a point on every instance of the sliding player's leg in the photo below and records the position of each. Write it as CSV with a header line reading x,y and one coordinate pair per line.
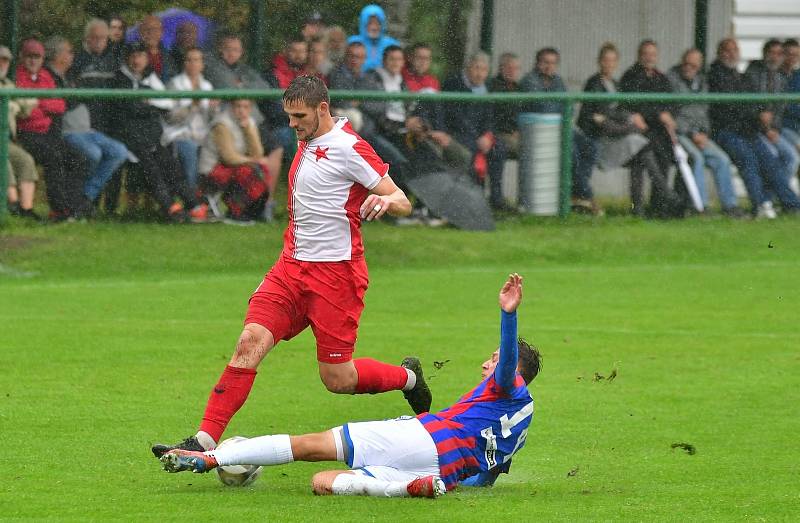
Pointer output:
x,y
395,458
361,483
275,312
278,449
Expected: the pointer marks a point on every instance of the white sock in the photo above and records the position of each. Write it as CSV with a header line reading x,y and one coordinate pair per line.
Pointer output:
x,y
264,450
358,485
205,440
412,380
337,440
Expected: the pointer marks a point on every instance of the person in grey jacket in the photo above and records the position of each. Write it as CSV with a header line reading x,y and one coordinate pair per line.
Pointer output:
x,y
693,127
544,78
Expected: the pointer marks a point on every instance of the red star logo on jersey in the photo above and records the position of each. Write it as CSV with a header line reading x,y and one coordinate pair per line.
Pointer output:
x,y
320,153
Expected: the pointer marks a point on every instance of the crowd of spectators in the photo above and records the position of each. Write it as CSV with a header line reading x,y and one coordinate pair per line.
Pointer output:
x,y
187,157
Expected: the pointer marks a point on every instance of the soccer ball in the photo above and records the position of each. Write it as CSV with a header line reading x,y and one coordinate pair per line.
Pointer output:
x,y
237,475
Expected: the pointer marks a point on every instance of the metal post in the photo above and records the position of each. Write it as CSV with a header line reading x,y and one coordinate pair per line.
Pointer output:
x,y
487,25
258,17
566,158
4,137
701,25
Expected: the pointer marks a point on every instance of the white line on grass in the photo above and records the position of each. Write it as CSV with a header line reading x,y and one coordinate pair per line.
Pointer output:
x,y
565,330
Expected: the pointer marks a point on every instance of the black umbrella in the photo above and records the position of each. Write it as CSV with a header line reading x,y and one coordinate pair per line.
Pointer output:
x,y
454,197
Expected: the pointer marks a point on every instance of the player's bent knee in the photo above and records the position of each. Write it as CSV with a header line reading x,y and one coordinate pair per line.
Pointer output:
x,y
339,384
336,386
253,344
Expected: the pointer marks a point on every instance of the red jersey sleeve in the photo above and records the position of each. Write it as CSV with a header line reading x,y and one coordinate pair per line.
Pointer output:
x,y
365,166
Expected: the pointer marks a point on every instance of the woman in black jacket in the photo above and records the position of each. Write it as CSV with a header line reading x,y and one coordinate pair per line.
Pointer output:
x,y
621,140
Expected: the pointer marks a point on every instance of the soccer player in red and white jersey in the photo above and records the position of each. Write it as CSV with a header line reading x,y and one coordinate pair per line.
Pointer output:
x,y
320,278
469,443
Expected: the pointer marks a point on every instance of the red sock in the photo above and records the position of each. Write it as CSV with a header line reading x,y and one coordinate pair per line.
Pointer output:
x,y
375,376
227,397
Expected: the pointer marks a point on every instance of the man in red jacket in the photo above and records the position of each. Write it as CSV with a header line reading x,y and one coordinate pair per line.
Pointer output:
x,y
291,63
40,132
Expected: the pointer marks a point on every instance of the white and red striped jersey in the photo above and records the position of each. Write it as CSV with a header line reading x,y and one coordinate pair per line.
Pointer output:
x,y
329,179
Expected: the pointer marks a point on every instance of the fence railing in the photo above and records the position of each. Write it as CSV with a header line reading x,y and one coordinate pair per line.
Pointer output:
x,y
569,99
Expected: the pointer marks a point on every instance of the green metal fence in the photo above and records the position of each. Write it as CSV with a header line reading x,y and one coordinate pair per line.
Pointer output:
x,y
569,99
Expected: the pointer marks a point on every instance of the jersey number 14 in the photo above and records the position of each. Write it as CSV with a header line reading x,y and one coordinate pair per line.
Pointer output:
x,y
506,424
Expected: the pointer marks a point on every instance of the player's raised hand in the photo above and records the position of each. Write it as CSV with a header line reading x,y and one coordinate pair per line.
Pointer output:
x,y
511,293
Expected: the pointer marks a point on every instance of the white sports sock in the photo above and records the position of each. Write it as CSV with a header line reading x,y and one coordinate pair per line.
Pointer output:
x,y
205,440
412,380
358,485
337,440
263,450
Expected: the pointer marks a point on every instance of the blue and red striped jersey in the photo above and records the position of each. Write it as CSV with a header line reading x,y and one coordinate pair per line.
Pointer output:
x,y
482,431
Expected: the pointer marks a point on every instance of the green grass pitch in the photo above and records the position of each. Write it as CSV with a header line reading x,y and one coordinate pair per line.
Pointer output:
x,y
111,336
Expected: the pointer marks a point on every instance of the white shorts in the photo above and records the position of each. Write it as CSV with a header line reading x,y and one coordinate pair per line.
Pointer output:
x,y
392,450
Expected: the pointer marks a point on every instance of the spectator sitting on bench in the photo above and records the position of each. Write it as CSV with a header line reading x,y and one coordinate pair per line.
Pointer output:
x,y
644,77
767,76
22,173
187,124
140,129
736,128
472,125
619,133
507,81
693,129
232,162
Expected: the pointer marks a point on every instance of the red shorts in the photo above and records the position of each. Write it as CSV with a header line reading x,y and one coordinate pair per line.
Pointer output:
x,y
328,296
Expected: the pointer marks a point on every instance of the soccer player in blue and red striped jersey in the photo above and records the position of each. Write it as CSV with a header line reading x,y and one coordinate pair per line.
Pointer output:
x,y
469,443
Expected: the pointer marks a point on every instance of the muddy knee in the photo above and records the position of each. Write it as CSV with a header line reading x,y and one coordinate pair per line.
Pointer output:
x,y
253,344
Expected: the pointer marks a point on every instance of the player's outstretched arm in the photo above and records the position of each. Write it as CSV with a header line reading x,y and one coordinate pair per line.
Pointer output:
x,y
510,298
385,197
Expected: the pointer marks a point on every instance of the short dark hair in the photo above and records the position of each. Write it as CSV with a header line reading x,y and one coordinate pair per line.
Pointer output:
x,y
607,47
223,36
769,44
645,43
133,48
295,38
790,42
307,89
547,50
530,361
355,44
419,45
690,51
391,49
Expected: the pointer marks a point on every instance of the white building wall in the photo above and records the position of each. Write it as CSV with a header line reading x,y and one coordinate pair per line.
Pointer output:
x,y
756,21
579,27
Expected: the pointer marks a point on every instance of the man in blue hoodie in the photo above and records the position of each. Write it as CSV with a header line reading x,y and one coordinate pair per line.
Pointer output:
x,y
372,29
